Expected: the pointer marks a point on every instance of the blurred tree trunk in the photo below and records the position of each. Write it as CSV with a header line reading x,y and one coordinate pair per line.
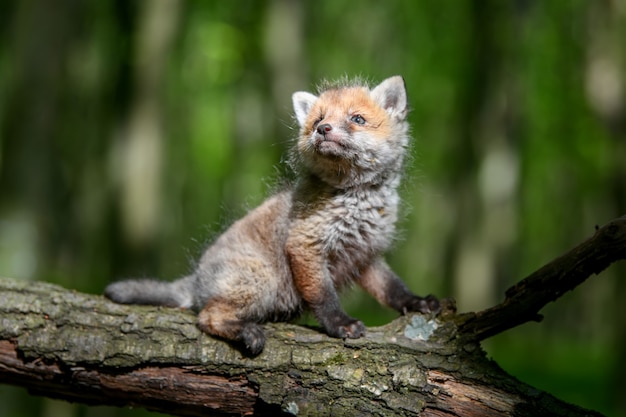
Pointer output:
x,y
30,171
606,93
485,173
139,153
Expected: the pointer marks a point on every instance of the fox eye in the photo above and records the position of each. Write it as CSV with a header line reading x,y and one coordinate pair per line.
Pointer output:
x,y
358,119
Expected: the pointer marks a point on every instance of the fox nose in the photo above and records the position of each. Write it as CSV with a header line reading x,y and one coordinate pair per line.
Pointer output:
x,y
324,129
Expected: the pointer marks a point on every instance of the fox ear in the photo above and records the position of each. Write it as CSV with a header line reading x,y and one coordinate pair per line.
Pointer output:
x,y
391,96
302,103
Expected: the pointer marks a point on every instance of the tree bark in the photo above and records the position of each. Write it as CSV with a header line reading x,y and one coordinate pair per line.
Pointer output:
x,y
525,299
83,348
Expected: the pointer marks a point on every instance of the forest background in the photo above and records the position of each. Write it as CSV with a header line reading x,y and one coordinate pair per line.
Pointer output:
x,y
132,132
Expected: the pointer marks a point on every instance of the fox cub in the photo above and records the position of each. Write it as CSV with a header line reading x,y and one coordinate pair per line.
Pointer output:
x,y
301,246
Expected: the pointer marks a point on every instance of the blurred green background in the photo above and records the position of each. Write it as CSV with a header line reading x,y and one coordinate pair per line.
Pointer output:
x,y
132,132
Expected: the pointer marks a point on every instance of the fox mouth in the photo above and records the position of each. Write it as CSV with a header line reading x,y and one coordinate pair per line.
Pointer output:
x,y
330,146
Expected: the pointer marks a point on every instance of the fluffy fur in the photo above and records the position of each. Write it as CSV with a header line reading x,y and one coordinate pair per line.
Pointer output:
x,y
302,245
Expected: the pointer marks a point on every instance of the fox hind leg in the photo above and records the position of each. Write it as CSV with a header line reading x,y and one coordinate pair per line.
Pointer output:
x,y
219,318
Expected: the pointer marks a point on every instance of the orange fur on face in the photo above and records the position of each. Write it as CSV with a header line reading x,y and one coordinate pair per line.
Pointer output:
x,y
337,106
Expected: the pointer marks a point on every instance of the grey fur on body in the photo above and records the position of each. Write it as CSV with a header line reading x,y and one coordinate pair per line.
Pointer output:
x,y
302,245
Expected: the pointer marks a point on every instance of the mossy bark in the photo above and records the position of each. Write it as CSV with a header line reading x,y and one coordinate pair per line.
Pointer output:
x,y
84,348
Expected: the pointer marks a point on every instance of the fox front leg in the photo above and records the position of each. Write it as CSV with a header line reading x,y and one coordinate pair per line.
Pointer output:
x,y
384,285
317,290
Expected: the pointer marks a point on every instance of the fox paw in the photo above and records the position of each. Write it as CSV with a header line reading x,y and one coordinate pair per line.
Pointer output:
x,y
353,330
349,329
253,338
428,304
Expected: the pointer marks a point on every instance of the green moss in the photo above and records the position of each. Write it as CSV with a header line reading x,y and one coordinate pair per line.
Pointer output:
x,y
337,360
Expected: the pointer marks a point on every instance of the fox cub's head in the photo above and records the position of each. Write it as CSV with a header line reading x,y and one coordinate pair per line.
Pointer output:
x,y
351,135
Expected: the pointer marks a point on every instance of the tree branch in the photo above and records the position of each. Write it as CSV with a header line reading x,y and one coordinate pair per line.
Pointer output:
x,y
524,300
83,348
